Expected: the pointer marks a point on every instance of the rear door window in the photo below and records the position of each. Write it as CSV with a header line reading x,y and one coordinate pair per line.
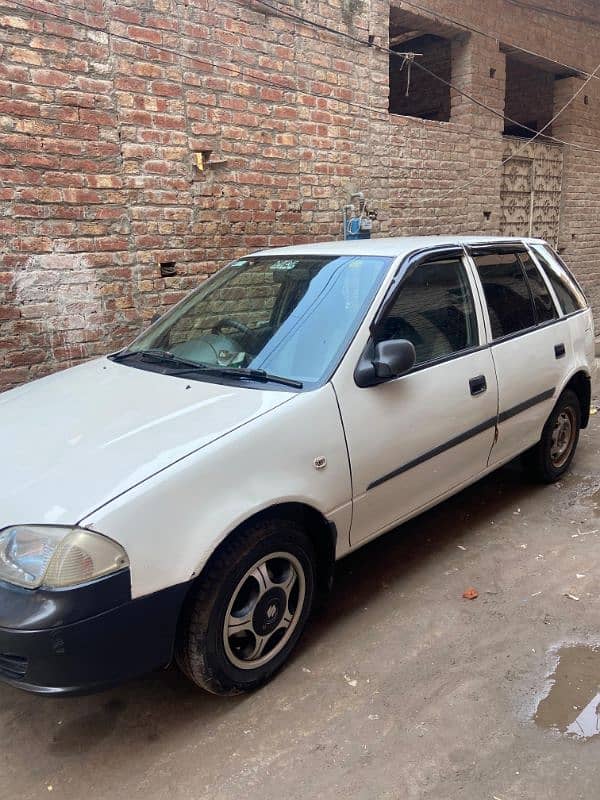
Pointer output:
x,y
506,291
545,310
434,310
569,293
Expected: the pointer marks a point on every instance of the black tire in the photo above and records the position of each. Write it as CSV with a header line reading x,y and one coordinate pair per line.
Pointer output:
x,y
539,461
202,646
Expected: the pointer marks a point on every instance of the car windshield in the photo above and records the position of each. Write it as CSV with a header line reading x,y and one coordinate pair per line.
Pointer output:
x,y
286,316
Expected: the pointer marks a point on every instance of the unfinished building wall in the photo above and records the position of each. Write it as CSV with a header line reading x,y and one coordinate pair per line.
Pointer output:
x,y
529,97
135,134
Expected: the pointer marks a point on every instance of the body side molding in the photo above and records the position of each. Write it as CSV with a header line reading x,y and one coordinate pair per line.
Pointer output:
x,y
463,437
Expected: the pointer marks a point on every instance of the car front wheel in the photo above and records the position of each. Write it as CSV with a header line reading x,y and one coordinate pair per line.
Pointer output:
x,y
250,607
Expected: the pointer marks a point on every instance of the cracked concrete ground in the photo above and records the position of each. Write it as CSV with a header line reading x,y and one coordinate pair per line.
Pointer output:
x,y
401,689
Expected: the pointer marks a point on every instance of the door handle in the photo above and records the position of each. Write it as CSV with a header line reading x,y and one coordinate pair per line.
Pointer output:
x,y
559,350
478,385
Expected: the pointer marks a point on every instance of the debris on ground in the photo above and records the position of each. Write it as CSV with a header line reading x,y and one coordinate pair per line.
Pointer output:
x,y
571,596
470,593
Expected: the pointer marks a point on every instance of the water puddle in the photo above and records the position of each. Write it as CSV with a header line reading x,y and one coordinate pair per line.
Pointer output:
x,y
596,501
572,706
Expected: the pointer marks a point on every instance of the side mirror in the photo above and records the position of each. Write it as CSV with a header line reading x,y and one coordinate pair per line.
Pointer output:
x,y
393,357
386,360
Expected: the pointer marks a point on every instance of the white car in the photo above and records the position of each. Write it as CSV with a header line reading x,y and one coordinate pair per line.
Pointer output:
x,y
188,496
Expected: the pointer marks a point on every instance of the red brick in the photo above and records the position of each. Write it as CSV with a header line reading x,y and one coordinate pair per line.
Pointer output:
x,y
51,77
144,34
97,156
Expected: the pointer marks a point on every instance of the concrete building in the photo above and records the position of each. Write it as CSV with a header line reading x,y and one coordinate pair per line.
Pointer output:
x,y
142,144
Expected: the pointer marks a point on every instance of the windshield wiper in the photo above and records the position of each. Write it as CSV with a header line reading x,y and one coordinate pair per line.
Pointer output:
x,y
162,356
153,354
234,372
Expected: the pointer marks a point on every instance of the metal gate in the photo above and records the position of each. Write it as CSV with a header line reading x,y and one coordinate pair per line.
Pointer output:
x,y
530,190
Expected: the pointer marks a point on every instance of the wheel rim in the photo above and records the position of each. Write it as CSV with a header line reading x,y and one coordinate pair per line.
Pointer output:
x,y
563,437
264,610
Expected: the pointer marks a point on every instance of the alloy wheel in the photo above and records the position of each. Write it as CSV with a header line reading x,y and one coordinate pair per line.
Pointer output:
x,y
264,610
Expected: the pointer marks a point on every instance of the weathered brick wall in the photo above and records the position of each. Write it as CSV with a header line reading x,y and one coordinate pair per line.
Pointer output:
x,y
102,113
580,202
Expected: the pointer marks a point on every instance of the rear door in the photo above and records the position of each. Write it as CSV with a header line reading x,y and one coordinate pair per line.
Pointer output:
x,y
529,344
413,439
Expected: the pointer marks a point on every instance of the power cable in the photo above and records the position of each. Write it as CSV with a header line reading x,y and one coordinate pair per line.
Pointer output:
x,y
473,29
500,114
526,143
410,57
284,86
259,78
555,12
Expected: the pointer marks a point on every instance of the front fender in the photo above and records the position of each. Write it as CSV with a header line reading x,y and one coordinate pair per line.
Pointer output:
x,y
171,523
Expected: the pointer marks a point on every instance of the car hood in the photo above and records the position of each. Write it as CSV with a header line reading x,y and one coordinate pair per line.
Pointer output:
x,y
73,441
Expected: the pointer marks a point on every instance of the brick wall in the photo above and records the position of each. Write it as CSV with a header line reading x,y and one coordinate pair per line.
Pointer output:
x,y
102,115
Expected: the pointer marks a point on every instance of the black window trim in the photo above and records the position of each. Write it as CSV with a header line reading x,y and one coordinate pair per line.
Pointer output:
x,y
519,247
504,249
439,252
545,282
532,251
405,269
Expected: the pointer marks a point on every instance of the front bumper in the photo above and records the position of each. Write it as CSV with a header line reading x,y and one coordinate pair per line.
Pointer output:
x,y
86,638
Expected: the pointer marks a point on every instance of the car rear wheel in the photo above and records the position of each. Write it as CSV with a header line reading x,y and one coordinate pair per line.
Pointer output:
x,y
251,605
552,455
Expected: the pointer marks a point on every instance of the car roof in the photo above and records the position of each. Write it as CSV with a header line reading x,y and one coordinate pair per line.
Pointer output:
x,y
392,247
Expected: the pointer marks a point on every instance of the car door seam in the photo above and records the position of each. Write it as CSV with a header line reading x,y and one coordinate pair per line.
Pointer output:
x,y
348,457
463,437
436,451
526,405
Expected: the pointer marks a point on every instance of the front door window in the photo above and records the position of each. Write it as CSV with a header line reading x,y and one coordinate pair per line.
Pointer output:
x,y
434,310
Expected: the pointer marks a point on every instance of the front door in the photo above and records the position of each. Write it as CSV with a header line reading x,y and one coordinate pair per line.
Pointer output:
x,y
414,438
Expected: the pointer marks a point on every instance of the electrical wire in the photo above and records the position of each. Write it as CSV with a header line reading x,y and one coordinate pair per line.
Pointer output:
x,y
203,62
526,143
473,29
296,18
500,114
283,85
411,60
555,12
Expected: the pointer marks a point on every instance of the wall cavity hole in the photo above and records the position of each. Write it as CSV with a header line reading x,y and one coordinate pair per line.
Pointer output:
x,y
168,269
492,72
487,214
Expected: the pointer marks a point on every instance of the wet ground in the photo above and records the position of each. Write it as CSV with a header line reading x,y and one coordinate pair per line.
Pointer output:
x,y
401,689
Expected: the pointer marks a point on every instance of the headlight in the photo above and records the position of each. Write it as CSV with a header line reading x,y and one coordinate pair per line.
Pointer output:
x,y
36,555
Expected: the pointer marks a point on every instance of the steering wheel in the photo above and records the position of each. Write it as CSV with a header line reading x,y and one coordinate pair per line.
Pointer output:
x,y
228,322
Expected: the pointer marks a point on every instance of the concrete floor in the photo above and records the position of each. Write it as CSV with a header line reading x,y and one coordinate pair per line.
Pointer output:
x,y
401,689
